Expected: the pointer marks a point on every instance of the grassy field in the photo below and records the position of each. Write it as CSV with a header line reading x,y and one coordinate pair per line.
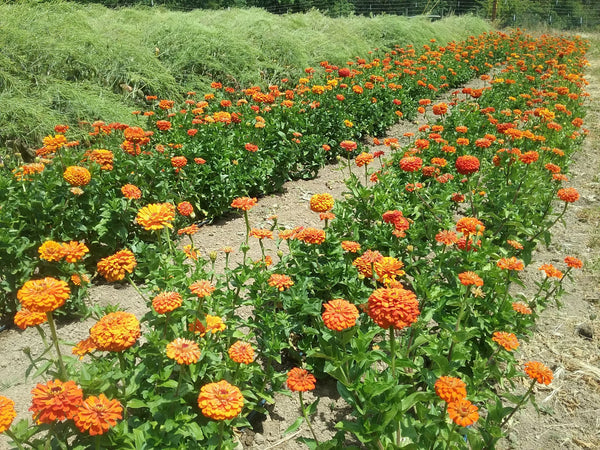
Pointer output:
x,y
62,62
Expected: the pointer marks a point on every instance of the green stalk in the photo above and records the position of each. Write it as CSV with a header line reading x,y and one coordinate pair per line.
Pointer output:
x,y
527,394
136,288
393,350
305,415
61,365
11,435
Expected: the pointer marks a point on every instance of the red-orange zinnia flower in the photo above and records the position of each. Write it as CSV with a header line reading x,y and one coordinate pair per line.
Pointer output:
x,y
467,164
241,352
25,318
470,279
568,195
339,314
350,246
98,414
131,191
243,203
73,251
166,302
539,372
463,412
450,389
183,351
397,307
55,401
507,340
470,225
321,202
280,281
220,401
77,176
185,208
521,308
300,380
511,263
387,269
573,262
311,235
202,288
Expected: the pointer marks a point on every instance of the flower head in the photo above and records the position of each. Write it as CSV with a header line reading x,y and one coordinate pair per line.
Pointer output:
x,y
321,202
538,372
213,324
73,251
220,401
7,413
339,314
446,237
185,208
411,163
467,164
573,262
202,288
311,235
365,262
300,380
55,401
50,251
568,195
507,340
113,267
116,331
387,269
521,308
280,281
261,233
98,414
350,246
77,176
183,351
470,225
348,145
244,203
25,318
241,352
166,302
470,279
463,412
364,159
551,271
397,307
450,389
511,263
84,347
131,191
156,216
44,295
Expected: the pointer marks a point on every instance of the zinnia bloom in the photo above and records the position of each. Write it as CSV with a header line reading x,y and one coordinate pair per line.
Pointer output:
x,y
450,389
220,401
311,236
7,413
51,251
446,237
388,268
551,271
321,202
260,233
55,401
411,163
364,263
131,191
113,267
178,161
521,308
463,412
350,246
348,145
43,295
73,251
77,176
568,195
213,324
25,318
241,352
183,351
189,230
243,203
116,331
470,279
539,372
467,164
507,340
84,347
98,414
156,216
166,302
300,380
573,262
202,288
364,159
280,281
511,263
470,225
339,314
185,208
397,307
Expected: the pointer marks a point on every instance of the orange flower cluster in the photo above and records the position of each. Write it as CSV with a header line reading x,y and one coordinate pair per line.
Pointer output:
x,y
311,235
77,176
183,351
213,324
365,262
321,202
551,271
25,318
463,412
450,389
280,281
43,295
104,158
55,401
470,225
113,267
397,307
202,288
396,218
185,208
156,216
7,413
300,380
339,314
116,331
244,203
453,391
84,347
131,192
573,262
411,163
539,372
348,145
166,302
507,340
364,159
241,352
97,415
521,308
220,401
511,263
73,251
387,269
23,172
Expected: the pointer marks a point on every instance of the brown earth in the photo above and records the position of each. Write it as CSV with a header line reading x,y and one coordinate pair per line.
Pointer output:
x,y
566,339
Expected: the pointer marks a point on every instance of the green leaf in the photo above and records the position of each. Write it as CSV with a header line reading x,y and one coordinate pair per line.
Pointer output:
x,y
293,427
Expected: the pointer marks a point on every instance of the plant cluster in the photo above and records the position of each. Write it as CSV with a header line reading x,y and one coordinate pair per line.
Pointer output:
x,y
402,296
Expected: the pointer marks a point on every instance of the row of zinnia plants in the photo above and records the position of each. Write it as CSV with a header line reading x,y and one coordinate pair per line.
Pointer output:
x,y
402,296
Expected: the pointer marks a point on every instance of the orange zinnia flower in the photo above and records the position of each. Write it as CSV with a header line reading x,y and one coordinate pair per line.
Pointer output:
x,y
183,351
241,352
411,163
321,202
243,203
178,161
387,269
131,191
300,380
220,401
568,195
348,145
470,225
450,389
55,401
25,318
51,251
185,208
507,340
43,295
397,307
511,263
573,262
350,246
521,308
7,413
467,164
116,331
463,412
260,233
551,271
470,278
280,281
77,176
190,230
202,288
113,267
166,302
311,236
98,414
84,347
339,314
514,244
73,251
365,262
446,237
539,372
156,216
364,159
213,324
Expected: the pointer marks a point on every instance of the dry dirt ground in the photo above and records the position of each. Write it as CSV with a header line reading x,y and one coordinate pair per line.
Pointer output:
x,y
566,339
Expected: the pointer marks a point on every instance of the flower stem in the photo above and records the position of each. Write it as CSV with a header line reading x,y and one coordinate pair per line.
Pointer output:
x,y
11,435
180,380
527,394
305,414
136,289
393,350
61,365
